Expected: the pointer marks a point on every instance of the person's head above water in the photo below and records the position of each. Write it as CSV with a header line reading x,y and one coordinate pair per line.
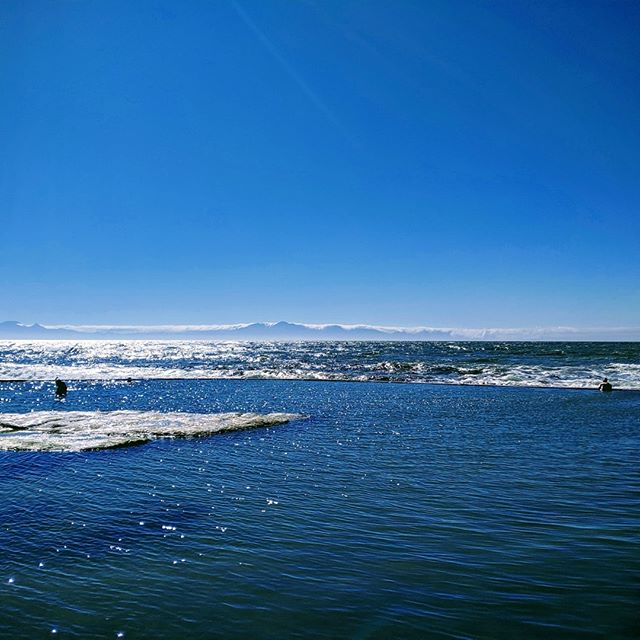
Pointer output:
x,y
605,380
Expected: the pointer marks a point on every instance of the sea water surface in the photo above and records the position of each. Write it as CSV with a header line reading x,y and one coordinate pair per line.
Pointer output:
x,y
550,364
271,508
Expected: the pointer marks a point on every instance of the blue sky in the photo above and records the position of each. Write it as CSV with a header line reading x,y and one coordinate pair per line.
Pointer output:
x,y
406,163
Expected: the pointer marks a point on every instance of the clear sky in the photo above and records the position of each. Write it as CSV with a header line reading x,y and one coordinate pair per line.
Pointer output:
x,y
406,162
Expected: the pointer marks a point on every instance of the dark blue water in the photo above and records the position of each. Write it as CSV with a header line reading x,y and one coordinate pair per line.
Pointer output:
x,y
394,511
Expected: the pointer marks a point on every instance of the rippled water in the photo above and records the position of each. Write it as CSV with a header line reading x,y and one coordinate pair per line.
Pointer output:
x,y
393,511
550,364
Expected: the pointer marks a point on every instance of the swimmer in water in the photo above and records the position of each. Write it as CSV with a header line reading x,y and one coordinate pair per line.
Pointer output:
x,y
605,385
61,388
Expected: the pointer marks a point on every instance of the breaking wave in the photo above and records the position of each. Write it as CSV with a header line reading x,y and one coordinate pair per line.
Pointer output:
x,y
558,364
87,430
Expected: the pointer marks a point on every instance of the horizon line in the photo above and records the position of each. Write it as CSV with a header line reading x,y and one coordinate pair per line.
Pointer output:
x,y
296,331
386,328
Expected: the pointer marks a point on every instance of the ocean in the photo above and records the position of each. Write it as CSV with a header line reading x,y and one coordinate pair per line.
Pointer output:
x,y
319,490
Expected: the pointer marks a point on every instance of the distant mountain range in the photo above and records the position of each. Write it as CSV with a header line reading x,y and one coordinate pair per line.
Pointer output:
x,y
284,331
288,331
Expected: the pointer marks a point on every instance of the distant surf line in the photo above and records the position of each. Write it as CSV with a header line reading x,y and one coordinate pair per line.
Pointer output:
x,y
317,380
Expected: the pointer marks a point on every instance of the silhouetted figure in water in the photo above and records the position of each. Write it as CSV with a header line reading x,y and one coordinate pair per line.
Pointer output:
x,y
605,385
61,388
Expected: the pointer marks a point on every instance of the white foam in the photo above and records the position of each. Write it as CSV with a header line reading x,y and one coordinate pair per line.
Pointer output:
x,y
85,430
156,360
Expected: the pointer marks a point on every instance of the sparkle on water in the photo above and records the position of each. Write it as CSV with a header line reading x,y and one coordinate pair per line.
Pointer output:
x,y
411,511
558,364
